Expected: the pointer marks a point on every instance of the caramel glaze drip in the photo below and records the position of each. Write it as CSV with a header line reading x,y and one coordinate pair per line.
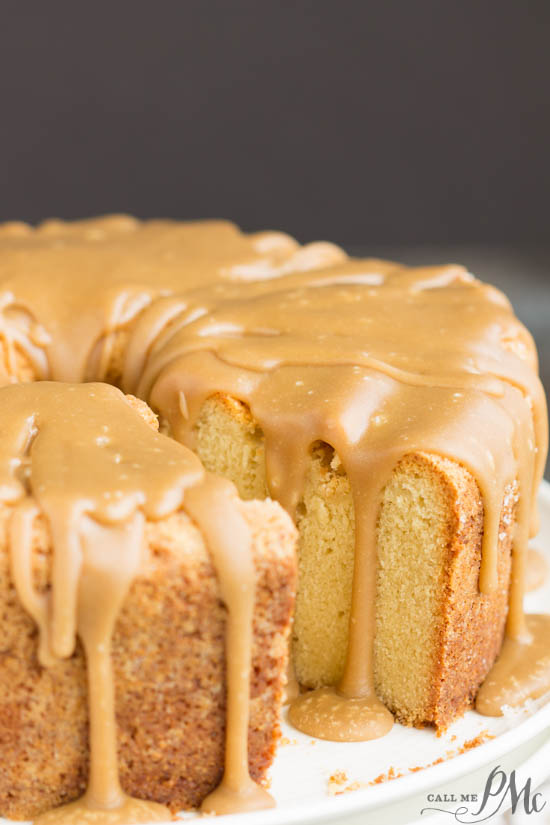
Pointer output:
x,y
374,359
81,456
536,573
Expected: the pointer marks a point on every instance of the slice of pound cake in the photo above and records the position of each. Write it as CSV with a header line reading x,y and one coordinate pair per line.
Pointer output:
x,y
145,615
436,634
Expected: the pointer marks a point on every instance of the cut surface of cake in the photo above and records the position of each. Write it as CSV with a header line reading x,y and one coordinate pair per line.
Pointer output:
x,y
430,616
395,413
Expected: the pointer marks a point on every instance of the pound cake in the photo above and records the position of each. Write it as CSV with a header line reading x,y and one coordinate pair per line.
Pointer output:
x,y
395,413
108,529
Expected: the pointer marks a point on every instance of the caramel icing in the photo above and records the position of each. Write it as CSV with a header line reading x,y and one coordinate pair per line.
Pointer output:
x,y
375,359
536,573
81,456
522,671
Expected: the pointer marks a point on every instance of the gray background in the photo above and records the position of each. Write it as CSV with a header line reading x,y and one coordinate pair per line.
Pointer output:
x,y
381,121
417,129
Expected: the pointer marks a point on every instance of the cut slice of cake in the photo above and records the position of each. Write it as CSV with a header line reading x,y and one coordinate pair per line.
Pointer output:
x,y
437,636
168,658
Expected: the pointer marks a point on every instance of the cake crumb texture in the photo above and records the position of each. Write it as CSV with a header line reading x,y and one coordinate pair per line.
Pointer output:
x,y
436,634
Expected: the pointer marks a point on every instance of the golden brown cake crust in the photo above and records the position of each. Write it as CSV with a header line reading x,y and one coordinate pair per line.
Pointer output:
x,y
473,623
471,626
168,656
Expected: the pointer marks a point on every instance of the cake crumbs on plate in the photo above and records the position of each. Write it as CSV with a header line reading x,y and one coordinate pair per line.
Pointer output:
x,y
284,740
468,745
338,782
483,736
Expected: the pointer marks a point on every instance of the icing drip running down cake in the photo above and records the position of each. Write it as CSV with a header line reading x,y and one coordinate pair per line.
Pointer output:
x,y
395,414
106,534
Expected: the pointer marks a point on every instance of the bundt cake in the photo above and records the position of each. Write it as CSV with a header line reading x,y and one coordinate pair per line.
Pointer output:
x,y
395,413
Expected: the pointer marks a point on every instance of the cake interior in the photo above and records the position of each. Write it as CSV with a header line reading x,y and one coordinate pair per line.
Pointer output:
x,y
429,611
